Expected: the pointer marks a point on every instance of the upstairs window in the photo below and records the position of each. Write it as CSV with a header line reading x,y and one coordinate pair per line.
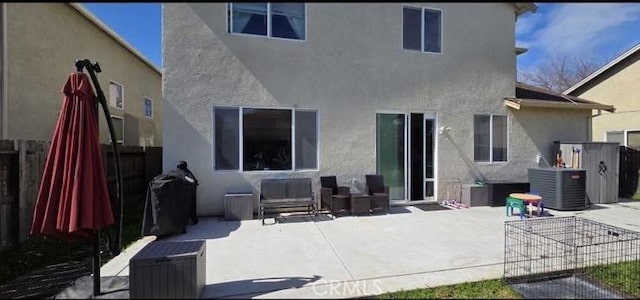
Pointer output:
x,y
422,29
115,95
280,20
148,108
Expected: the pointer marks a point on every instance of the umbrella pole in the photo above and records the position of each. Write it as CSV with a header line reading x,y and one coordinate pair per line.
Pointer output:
x,y
92,68
96,264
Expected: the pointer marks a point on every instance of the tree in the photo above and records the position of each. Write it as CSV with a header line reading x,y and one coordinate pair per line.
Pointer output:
x,y
559,72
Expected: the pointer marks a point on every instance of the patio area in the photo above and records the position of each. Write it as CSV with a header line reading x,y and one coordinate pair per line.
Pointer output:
x,y
357,256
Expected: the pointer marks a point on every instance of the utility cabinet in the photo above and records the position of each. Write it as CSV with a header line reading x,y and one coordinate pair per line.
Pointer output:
x,y
601,162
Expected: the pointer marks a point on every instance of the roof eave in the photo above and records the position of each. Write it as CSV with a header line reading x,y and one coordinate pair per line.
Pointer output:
x,y
518,103
523,7
520,50
604,68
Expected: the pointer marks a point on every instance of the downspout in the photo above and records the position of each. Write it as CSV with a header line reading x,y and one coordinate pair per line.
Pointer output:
x,y
4,111
590,124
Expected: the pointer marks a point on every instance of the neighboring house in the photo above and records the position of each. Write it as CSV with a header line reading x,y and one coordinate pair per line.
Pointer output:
x,y
615,83
40,44
263,90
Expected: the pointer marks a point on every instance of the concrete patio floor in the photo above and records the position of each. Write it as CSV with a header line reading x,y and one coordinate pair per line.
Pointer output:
x,y
357,256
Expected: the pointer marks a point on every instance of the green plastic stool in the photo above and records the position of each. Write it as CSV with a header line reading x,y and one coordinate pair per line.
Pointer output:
x,y
517,203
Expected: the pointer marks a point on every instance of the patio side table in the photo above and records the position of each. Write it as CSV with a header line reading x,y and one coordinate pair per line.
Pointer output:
x,y
238,207
360,204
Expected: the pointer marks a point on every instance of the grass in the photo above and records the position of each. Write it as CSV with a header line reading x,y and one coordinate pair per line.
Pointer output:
x,y
618,277
487,289
39,251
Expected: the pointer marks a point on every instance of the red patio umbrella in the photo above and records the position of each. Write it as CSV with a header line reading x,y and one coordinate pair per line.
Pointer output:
x,y
73,201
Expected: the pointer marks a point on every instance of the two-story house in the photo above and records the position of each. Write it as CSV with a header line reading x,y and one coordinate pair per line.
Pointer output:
x,y
422,93
615,84
40,44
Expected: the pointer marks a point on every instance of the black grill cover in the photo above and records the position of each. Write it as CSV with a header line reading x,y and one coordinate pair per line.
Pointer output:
x,y
170,202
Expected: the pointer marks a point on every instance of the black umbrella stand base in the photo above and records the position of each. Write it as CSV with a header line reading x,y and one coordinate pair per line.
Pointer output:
x,y
111,287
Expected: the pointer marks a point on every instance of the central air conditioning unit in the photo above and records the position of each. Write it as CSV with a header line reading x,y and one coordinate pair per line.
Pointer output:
x,y
560,188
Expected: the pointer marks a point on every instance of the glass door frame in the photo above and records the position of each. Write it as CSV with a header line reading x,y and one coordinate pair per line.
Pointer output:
x,y
427,115
434,117
405,145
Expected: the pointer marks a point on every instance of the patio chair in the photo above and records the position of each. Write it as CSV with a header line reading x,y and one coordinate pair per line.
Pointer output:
x,y
378,191
336,198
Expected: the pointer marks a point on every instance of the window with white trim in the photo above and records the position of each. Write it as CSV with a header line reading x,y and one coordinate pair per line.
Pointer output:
x,y
279,19
615,137
118,126
627,138
148,107
633,139
253,139
422,29
489,138
116,95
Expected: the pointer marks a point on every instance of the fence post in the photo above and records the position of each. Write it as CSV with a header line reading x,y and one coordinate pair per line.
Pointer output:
x,y
8,203
32,156
152,163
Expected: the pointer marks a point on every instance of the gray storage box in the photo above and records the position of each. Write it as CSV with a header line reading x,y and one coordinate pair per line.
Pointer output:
x,y
475,195
168,270
238,206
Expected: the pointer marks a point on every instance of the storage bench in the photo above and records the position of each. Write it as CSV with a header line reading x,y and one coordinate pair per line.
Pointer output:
x,y
168,270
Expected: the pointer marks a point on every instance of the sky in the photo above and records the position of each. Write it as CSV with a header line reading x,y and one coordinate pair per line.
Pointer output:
x,y
598,32
594,31
139,24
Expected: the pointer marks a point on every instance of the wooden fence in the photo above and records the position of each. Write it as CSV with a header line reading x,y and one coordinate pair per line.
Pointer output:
x,y
629,168
21,167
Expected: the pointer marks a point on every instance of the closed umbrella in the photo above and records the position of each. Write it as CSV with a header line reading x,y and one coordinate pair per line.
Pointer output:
x,y
73,200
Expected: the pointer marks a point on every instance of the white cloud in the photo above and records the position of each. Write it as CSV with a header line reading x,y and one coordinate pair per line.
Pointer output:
x,y
523,44
580,28
527,23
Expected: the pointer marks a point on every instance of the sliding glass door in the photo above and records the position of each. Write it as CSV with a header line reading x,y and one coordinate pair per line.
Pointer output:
x,y
405,155
390,153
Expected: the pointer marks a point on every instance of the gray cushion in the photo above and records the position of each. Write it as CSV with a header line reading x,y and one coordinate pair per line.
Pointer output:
x,y
273,189
299,188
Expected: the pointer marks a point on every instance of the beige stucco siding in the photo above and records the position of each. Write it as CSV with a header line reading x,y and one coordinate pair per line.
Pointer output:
x,y
536,129
619,89
44,40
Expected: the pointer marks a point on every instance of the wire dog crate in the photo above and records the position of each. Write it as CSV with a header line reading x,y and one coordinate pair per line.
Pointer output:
x,y
571,258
